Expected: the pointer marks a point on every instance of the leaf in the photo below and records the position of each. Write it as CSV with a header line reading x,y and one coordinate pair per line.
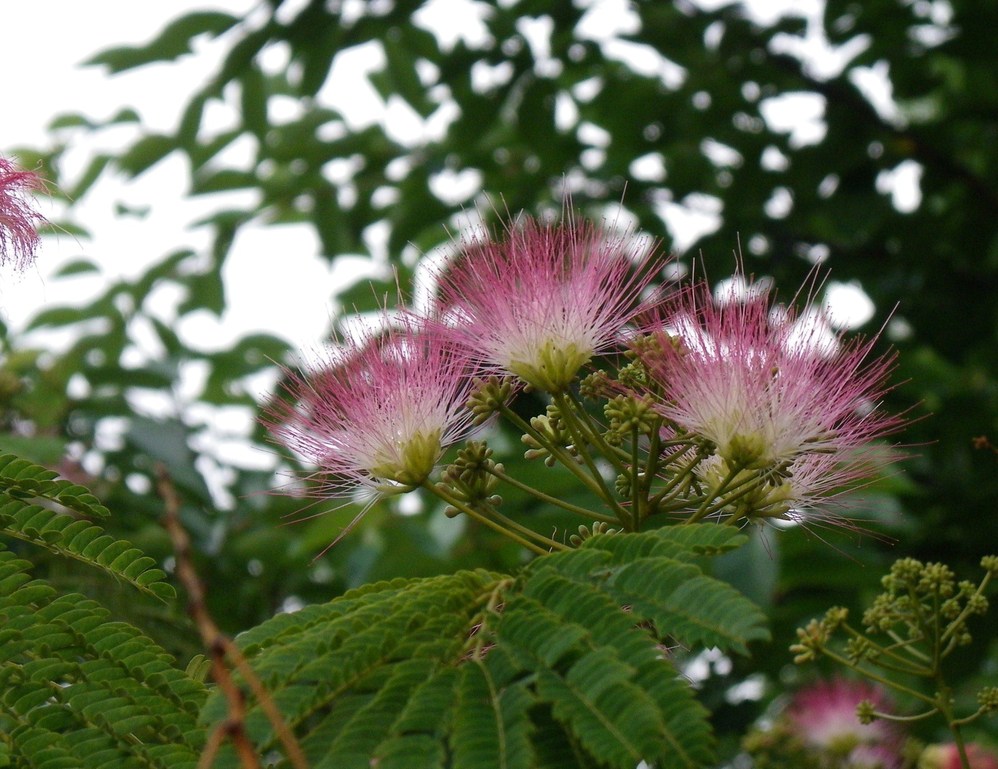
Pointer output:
x,y
57,316
77,267
87,180
82,690
253,94
69,537
692,607
224,180
417,737
491,725
403,77
560,666
145,153
170,44
25,479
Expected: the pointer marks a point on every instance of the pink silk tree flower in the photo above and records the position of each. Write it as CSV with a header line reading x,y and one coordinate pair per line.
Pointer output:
x,y
948,757
790,408
380,412
823,716
541,303
18,218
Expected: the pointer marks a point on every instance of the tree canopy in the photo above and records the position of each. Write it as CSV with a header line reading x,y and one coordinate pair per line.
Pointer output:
x,y
674,117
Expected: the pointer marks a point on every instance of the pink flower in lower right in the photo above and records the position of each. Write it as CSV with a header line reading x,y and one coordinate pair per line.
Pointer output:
x,y
823,717
947,756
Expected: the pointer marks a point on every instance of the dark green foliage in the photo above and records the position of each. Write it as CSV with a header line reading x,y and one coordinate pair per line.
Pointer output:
x,y
938,264
20,478
69,535
481,669
81,690
172,42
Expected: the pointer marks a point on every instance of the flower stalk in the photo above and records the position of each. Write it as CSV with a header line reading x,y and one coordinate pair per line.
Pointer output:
x,y
924,613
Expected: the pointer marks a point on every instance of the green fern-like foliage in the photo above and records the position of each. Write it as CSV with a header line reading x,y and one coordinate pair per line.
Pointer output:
x,y
38,507
21,478
561,666
80,690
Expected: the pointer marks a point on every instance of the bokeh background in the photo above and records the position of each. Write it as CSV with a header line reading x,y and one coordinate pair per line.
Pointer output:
x,y
242,173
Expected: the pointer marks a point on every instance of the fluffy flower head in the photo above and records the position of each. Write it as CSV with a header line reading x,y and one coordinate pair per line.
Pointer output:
x,y
823,716
18,218
540,303
777,395
381,412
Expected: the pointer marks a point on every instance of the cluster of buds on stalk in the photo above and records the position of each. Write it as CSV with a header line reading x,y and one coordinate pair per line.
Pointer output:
x,y
847,723
908,632
658,401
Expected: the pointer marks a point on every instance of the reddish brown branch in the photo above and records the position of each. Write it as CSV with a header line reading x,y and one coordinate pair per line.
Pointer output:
x,y
221,650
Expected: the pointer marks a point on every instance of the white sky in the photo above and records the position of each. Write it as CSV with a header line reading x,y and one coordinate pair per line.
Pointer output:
x,y
281,263
276,283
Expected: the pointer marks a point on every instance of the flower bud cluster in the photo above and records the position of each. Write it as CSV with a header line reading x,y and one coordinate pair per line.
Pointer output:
x,y
469,478
910,629
488,398
918,593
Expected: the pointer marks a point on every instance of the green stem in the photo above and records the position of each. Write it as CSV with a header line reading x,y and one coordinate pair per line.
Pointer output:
x,y
949,635
684,474
579,440
566,459
909,648
969,719
494,600
636,497
547,498
903,665
952,723
651,468
614,455
879,679
739,490
475,515
906,719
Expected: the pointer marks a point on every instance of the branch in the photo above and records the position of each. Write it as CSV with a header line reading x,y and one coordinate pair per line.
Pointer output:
x,y
219,648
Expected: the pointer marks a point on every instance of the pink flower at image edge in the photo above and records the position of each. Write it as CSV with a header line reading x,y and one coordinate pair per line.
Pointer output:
x,y
18,218
947,756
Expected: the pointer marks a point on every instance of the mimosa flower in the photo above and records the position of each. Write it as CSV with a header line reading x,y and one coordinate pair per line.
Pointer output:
x,y
788,405
380,412
18,218
948,757
541,303
823,717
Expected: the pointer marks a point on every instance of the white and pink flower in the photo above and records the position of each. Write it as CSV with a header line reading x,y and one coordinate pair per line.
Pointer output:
x,y
947,756
823,717
541,303
18,218
380,411
778,396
